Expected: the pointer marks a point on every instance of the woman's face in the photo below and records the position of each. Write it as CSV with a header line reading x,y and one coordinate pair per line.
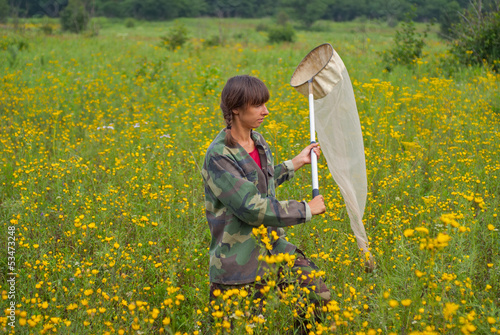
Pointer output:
x,y
252,116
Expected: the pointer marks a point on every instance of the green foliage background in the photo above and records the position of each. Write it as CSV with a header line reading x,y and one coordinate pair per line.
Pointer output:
x,y
306,10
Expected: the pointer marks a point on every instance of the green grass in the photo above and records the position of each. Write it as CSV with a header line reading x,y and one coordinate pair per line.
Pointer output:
x,y
103,138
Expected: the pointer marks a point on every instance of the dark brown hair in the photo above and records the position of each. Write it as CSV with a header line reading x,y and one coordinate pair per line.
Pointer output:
x,y
241,91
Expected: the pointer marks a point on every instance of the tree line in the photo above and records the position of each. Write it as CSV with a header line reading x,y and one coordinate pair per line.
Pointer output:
x,y
305,11
308,10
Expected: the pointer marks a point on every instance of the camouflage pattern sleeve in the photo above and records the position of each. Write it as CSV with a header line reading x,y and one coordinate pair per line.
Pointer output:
x,y
240,196
283,172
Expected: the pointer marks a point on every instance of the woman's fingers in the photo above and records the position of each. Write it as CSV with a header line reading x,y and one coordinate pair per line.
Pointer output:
x,y
314,147
317,150
317,205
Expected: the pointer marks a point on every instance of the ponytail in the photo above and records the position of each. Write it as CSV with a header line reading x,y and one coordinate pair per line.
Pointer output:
x,y
229,140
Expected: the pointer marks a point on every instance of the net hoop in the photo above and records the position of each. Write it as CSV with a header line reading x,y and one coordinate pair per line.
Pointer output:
x,y
323,67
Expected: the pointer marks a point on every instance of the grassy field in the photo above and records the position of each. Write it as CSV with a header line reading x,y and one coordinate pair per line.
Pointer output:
x,y
102,206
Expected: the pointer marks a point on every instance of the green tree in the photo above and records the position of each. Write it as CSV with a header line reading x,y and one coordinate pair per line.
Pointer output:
x,y
74,17
390,10
449,16
306,11
224,8
192,8
111,8
477,36
240,8
4,10
150,9
427,10
345,10
154,9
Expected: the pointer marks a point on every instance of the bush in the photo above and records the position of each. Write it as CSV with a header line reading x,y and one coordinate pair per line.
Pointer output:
x,y
74,17
46,26
13,42
176,37
408,45
261,27
13,45
130,23
278,34
477,38
212,41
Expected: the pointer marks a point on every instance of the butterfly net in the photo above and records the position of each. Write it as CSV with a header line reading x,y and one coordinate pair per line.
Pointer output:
x,y
339,132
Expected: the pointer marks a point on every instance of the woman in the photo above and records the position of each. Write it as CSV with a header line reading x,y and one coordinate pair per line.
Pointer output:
x,y
240,180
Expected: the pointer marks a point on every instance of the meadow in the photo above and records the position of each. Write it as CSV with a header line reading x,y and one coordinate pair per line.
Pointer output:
x,y
102,204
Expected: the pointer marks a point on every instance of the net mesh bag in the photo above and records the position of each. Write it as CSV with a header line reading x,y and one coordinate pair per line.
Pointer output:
x,y
339,132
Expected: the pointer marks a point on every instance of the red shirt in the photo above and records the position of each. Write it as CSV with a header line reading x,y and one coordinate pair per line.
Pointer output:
x,y
255,155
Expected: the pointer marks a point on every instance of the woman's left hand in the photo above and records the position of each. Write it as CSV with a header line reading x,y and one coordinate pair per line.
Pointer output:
x,y
305,156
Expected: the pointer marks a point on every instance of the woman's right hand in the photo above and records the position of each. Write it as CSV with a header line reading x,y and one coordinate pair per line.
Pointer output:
x,y
317,205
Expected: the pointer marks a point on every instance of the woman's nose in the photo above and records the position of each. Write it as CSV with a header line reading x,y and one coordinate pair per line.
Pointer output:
x,y
265,111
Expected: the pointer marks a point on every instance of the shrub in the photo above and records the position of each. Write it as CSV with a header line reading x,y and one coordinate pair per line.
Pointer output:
x,y
47,28
74,17
262,27
477,38
13,46
176,37
212,41
13,42
130,23
408,45
278,34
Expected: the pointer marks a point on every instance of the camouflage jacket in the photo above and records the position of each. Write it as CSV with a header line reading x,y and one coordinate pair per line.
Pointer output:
x,y
240,196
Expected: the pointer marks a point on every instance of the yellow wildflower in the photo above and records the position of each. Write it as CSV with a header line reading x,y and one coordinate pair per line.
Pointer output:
x,y
449,310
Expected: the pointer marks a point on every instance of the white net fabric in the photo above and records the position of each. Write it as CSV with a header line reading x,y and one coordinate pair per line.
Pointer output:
x,y
339,133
